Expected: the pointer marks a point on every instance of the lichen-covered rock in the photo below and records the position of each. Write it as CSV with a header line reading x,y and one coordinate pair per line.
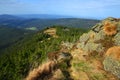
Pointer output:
x,y
99,36
67,45
112,65
110,19
85,37
97,27
118,28
90,47
117,39
112,60
87,41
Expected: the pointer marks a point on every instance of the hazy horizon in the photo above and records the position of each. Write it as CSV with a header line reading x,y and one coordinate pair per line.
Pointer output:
x,y
96,9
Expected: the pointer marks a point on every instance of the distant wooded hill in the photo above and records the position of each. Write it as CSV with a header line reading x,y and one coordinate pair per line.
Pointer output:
x,y
10,35
45,21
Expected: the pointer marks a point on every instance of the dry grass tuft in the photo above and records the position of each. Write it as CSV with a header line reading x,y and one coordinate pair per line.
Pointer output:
x,y
42,71
114,52
53,55
110,28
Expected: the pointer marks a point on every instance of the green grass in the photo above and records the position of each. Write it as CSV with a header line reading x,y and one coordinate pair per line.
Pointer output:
x,y
82,66
98,76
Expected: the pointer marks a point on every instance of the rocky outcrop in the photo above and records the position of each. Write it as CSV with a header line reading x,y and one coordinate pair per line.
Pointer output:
x,y
102,36
51,32
97,52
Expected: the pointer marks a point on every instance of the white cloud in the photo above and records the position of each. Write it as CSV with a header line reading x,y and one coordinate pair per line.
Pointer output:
x,y
101,3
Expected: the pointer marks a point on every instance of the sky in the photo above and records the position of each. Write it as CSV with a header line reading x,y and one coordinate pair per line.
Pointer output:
x,y
75,8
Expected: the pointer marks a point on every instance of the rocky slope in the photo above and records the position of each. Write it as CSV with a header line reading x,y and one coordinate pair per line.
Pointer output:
x,y
95,56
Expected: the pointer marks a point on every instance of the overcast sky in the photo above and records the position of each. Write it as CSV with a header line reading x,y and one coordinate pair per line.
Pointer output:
x,y
77,8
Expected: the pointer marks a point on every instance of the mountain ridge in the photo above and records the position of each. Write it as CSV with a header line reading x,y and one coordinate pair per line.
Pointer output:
x,y
16,21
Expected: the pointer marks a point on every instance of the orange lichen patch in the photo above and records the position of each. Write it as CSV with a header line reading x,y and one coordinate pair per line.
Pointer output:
x,y
114,52
42,71
97,66
107,23
110,28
